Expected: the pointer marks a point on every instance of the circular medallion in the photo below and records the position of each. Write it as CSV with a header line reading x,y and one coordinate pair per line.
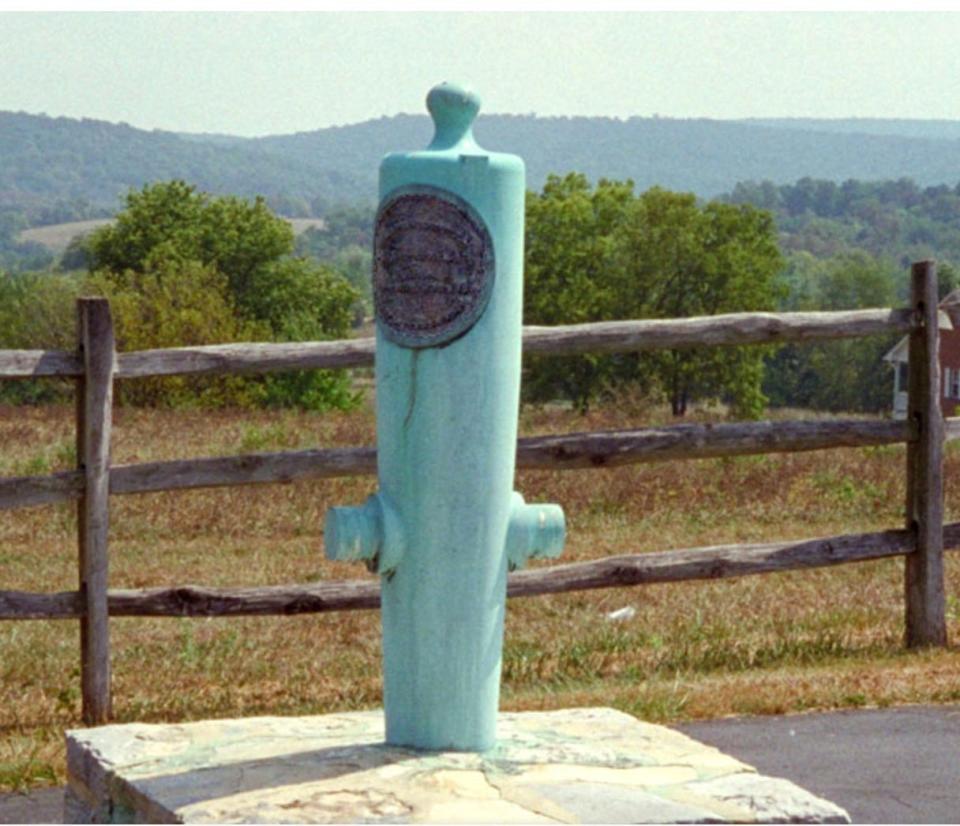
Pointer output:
x,y
433,267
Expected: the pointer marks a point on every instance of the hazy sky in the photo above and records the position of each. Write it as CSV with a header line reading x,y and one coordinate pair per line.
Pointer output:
x,y
259,73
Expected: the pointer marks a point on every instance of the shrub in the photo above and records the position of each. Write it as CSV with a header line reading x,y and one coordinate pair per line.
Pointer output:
x,y
185,268
38,312
178,304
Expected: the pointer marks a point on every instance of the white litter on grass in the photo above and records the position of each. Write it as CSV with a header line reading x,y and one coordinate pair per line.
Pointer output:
x,y
621,614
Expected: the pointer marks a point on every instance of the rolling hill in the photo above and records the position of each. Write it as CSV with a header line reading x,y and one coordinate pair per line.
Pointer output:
x,y
708,157
61,169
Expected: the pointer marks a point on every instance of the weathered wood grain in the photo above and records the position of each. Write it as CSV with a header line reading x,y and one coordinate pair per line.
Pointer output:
x,y
193,600
570,339
603,337
699,441
249,469
247,358
25,605
22,364
924,587
94,422
568,451
951,536
716,562
23,491
718,330
611,572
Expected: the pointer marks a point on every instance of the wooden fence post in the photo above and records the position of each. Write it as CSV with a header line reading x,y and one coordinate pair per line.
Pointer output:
x,y
924,589
94,419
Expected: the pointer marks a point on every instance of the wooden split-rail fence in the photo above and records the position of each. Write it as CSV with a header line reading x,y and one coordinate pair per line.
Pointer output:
x,y
96,365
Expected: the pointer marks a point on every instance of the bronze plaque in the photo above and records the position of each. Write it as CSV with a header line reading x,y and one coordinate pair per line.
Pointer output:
x,y
433,267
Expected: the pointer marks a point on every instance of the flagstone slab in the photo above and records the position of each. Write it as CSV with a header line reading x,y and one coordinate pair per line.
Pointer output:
x,y
588,765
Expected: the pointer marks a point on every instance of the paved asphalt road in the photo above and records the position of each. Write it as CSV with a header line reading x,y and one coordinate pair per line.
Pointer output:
x,y
40,806
883,766
897,765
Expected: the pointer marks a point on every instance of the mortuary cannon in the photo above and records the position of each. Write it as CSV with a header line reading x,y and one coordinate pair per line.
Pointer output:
x,y
446,524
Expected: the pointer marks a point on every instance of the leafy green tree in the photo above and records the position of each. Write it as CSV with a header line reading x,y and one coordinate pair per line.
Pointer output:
x,y
173,221
38,312
894,220
342,227
344,242
178,303
15,255
837,375
605,253
948,279
355,263
300,300
12,222
171,231
75,256
677,259
568,278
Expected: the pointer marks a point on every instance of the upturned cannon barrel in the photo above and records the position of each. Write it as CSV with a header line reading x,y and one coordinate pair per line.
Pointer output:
x,y
446,524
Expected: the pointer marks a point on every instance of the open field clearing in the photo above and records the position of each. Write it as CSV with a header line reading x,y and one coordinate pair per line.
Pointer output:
x,y
56,237
779,643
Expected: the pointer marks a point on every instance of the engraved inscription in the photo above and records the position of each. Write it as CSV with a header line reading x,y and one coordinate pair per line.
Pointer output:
x,y
433,268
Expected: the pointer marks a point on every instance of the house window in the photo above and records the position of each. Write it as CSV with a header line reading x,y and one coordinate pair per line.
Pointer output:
x,y
902,376
951,383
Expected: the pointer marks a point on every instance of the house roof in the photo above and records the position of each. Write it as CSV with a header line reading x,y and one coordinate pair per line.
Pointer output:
x,y
899,351
949,320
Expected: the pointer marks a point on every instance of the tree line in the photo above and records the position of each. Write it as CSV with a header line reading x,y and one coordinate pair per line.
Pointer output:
x,y
182,267
602,253
892,219
185,267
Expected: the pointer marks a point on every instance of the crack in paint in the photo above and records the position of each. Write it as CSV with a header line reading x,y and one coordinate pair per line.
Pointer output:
x,y
413,389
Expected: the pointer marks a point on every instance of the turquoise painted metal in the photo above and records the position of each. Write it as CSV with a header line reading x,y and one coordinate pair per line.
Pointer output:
x,y
445,524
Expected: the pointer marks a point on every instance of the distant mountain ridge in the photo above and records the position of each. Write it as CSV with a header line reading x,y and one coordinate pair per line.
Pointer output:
x,y
47,160
60,169
708,157
903,127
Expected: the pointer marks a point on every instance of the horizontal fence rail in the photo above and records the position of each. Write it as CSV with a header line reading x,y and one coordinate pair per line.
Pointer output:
x,y
732,329
716,562
95,365
25,364
570,451
951,428
599,337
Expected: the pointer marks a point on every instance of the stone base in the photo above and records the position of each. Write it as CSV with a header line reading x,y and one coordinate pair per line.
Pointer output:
x,y
590,765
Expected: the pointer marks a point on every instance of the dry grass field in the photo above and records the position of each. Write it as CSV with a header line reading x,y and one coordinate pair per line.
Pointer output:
x,y
759,645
